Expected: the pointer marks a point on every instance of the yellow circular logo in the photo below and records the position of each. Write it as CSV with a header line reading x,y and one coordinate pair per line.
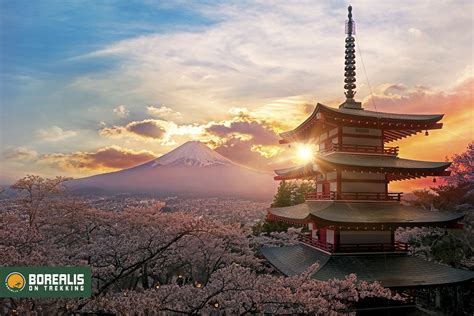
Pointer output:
x,y
15,282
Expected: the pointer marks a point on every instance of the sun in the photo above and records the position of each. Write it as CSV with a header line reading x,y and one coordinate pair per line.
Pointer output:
x,y
305,153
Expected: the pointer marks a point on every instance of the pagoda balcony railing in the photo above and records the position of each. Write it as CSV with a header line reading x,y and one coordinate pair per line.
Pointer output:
x,y
373,247
355,247
307,239
345,196
365,149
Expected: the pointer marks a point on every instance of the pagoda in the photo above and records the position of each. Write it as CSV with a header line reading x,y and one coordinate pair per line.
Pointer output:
x,y
351,217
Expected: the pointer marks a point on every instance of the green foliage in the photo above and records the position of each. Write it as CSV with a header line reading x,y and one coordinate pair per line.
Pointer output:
x,y
283,195
450,249
292,193
301,190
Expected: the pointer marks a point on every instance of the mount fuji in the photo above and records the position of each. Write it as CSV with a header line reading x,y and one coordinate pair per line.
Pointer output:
x,y
193,169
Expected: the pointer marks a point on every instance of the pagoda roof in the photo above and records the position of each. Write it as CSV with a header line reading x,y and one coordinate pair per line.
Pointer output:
x,y
395,125
384,115
296,172
392,270
398,168
387,163
364,213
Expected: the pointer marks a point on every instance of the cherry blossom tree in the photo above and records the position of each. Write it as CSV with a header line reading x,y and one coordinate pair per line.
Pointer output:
x,y
238,290
144,261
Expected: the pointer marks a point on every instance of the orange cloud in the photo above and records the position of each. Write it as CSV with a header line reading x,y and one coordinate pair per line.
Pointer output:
x,y
104,159
458,123
146,129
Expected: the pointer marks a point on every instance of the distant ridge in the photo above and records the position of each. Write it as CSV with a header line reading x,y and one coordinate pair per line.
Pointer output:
x,y
192,169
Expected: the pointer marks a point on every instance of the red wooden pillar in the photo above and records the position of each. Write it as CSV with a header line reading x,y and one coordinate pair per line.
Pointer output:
x,y
339,185
337,238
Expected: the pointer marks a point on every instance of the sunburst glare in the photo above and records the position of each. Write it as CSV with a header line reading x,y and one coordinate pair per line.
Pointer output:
x,y
305,153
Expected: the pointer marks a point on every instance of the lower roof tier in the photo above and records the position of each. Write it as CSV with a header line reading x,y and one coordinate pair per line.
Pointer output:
x,y
396,168
343,213
392,270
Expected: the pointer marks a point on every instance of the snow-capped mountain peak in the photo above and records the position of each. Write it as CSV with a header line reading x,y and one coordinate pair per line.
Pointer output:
x,y
192,153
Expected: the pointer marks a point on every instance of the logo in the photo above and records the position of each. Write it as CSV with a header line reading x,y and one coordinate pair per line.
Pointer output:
x,y
45,281
15,282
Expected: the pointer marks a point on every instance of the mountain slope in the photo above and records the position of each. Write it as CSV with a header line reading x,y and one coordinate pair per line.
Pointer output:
x,y
193,169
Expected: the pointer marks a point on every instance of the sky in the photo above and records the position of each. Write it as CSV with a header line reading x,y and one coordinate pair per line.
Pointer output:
x,y
95,86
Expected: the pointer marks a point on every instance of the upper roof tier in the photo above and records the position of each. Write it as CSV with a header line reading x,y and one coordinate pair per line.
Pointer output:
x,y
394,125
396,168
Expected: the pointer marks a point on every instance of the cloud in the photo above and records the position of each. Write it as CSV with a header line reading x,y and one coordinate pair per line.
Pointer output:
x,y
422,99
257,131
144,130
267,151
457,131
104,159
393,89
164,113
255,51
164,132
22,154
415,32
121,111
246,140
54,134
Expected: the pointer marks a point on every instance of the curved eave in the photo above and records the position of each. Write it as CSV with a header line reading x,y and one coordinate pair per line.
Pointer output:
x,y
393,271
394,214
386,164
290,214
385,116
297,172
307,123
395,126
292,135
451,223
377,214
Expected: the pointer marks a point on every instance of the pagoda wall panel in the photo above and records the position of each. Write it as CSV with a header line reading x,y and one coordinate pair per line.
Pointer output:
x,y
331,175
333,186
333,132
349,140
362,176
330,236
363,237
361,131
362,187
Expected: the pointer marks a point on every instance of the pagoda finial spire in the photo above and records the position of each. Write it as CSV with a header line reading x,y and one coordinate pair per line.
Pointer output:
x,y
349,74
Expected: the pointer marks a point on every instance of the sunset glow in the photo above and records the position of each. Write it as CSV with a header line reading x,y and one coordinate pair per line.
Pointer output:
x,y
236,157
100,101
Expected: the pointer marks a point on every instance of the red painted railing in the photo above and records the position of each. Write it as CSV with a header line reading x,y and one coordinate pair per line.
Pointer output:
x,y
307,239
373,247
361,247
370,196
391,151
